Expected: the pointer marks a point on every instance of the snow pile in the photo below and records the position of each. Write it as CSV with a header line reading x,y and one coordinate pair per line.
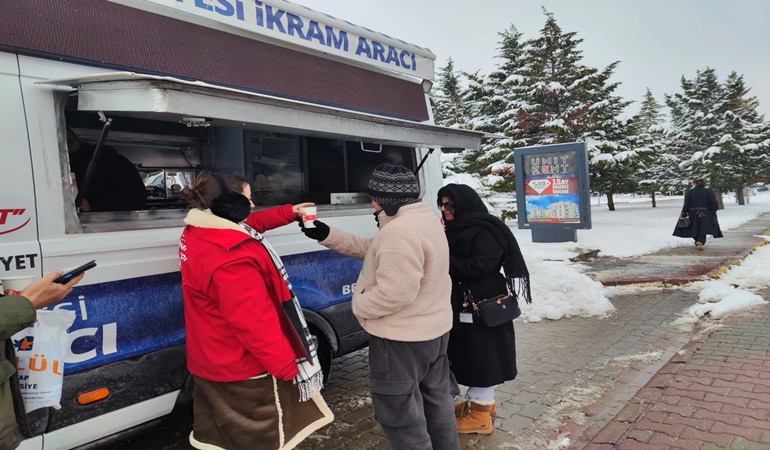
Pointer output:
x,y
559,290
719,299
732,293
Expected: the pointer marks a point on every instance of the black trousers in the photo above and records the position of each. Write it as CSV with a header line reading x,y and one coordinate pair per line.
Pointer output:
x,y
411,393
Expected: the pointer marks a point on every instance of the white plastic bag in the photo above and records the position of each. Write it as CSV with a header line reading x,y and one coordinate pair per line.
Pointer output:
x,y
40,352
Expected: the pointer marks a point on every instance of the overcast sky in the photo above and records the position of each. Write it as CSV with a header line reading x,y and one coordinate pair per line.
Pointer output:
x,y
656,41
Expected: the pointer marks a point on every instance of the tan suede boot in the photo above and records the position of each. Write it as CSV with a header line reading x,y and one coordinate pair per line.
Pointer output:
x,y
461,407
476,419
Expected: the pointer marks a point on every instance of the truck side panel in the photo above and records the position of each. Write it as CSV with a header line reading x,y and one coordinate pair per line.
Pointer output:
x,y
19,250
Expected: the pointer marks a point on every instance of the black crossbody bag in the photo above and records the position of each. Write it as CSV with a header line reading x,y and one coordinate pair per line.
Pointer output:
x,y
494,311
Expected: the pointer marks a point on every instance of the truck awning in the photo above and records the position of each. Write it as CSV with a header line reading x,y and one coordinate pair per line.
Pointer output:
x,y
174,99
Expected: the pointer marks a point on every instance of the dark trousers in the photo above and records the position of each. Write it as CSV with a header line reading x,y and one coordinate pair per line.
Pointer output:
x,y
700,238
410,393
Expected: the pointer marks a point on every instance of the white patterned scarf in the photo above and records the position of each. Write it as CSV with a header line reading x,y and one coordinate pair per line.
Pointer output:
x,y
309,380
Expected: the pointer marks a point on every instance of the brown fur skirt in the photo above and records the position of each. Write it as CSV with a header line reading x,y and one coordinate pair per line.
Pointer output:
x,y
263,413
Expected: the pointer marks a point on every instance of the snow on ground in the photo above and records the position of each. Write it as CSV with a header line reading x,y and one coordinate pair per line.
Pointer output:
x,y
732,291
560,290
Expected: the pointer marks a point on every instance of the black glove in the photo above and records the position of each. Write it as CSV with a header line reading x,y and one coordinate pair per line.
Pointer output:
x,y
319,233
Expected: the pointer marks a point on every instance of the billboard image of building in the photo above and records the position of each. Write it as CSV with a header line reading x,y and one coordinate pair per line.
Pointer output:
x,y
553,209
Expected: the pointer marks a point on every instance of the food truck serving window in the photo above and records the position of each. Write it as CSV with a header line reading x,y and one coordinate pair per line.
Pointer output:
x,y
171,130
165,158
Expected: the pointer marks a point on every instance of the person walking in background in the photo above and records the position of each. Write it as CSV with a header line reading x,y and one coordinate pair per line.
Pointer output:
x,y
401,299
17,312
481,357
700,206
256,377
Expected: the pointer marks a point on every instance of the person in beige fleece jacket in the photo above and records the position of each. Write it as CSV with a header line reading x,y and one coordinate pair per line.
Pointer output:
x,y
402,299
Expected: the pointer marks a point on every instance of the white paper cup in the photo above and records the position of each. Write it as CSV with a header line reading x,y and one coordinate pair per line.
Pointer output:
x,y
14,285
309,215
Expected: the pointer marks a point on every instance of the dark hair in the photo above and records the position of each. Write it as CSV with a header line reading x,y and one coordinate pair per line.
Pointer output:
x,y
206,189
699,182
232,206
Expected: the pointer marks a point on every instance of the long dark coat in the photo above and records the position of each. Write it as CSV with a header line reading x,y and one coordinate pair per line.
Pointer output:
x,y
479,356
700,203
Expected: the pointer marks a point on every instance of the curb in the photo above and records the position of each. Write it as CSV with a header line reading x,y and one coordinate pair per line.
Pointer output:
x,y
719,271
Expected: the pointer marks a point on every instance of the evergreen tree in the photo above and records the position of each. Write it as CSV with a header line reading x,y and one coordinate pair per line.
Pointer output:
x,y
482,102
449,109
696,126
507,83
718,133
648,138
746,136
556,99
495,100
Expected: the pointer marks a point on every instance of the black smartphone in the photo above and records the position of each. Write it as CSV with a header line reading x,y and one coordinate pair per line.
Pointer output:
x,y
64,279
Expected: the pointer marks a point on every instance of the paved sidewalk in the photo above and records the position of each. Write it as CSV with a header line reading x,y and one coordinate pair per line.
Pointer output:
x,y
682,265
714,395
564,365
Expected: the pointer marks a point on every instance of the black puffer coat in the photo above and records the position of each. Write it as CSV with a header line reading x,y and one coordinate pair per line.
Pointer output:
x,y
479,356
700,203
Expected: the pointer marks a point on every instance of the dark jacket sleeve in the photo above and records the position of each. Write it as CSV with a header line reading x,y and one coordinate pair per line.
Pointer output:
x,y
687,199
486,258
16,314
713,205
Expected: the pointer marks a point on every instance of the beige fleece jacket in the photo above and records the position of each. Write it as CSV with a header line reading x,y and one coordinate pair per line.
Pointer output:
x,y
403,292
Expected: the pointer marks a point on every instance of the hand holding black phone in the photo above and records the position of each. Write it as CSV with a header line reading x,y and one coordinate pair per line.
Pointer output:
x,y
64,279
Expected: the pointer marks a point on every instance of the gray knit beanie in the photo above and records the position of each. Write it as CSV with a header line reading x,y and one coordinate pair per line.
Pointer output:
x,y
393,185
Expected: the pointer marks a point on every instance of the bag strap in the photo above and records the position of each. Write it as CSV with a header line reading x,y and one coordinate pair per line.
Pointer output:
x,y
465,289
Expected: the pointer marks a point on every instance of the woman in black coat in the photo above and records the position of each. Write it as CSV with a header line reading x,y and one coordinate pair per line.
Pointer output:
x,y
480,245
700,205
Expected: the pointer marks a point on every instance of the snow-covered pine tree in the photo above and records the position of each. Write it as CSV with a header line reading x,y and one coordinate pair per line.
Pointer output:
x,y
718,133
562,100
482,102
494,101
508,88
648,137
746,136
552,112
449,109
696,126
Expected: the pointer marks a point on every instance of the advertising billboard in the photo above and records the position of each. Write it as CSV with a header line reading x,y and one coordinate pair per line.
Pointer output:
x,y
553,191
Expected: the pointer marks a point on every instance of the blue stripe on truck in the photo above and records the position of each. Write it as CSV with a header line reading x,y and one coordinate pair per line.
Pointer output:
x,y
127,318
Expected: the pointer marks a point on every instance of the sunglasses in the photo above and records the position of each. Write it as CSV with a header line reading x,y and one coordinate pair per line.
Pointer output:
x,y
446,205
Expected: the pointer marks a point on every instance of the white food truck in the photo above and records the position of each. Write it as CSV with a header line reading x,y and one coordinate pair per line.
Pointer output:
x,y
302,104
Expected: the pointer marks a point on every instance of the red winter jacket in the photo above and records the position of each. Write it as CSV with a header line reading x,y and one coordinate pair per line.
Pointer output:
x,y
232,299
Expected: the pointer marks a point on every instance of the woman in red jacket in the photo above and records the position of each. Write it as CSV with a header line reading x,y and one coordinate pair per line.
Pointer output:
x,y
256,381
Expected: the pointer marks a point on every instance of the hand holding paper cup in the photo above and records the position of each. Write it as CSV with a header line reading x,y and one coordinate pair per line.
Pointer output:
x,y
14,285
309,214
